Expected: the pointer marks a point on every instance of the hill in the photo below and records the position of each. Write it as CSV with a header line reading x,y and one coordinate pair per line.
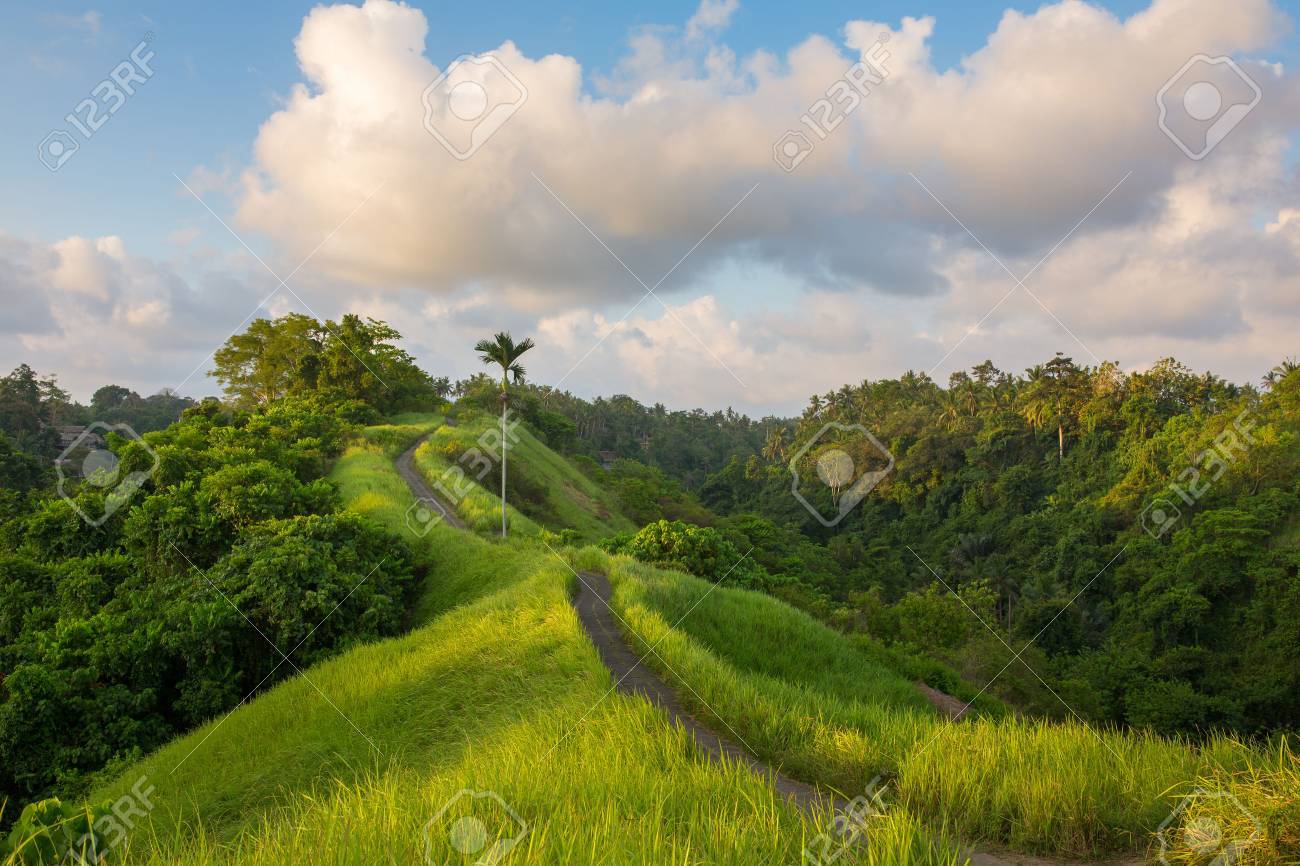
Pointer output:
x,y
497,688
544,488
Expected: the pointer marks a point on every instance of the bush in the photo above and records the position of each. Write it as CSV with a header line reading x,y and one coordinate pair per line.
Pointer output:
x,y
698,550
52,832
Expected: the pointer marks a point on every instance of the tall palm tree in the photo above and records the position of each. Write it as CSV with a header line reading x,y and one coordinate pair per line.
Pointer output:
x,y
1006,587
774,449
504,352
1051,396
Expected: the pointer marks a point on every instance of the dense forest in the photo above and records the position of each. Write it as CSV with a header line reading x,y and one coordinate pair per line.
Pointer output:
x,y
1138,533
125,622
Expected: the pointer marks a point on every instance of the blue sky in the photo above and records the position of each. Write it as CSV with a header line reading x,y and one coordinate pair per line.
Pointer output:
x,y
894,249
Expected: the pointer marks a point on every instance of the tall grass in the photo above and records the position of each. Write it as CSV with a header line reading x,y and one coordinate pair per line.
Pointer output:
x,y
800,695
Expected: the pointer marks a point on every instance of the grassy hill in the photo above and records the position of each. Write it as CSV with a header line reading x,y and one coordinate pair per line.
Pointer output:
x,y
552,493
349,762
497,688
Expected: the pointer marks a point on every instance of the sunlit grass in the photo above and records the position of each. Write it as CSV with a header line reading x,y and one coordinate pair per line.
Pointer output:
x,y
801,696
573,501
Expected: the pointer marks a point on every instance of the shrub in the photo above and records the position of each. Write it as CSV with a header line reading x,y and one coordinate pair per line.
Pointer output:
x,y
699,550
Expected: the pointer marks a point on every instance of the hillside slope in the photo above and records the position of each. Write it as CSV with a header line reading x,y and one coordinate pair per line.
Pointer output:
x,y
545,489
498,689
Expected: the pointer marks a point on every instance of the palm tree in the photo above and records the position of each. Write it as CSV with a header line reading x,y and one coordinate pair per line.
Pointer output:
x,y
1006,587
1051,396
1280,372
504,352
949,409
774,449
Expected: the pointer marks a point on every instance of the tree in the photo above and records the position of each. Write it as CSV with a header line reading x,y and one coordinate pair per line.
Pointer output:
x,y
352,359
18,469
502,351
269,360
28,405
1051,398
110,397
950,409
1280,372
776,445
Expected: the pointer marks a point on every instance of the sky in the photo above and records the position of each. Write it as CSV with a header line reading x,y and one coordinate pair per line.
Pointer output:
x,y
717,203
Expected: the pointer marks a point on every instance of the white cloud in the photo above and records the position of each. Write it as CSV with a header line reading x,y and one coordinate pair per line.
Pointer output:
x,y
710,17
89,311
1021,141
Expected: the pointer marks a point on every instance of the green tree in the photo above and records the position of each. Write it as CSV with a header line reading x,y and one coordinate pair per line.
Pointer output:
x,y
269,360
504,352
352,359
776,445
1052,396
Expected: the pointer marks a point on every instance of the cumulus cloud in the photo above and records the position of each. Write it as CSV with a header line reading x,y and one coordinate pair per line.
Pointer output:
x,y
1022,139
711,16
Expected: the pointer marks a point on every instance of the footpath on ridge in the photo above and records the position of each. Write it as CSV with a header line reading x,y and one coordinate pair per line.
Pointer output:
x,y
599,621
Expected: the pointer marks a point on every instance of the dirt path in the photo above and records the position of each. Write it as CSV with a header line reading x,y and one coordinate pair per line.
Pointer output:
x,y
405,465
945,703
632,678
595,613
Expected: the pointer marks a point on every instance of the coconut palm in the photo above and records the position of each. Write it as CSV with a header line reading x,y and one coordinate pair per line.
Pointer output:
x,y
776,446
949,409
1052,395
1280,372
504,352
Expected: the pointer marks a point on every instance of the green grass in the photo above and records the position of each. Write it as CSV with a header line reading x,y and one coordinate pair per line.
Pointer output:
x,y
571,499
499,690
798,694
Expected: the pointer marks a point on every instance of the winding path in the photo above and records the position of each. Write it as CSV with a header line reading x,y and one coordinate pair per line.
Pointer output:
x,y
633,678
598,620
420,489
